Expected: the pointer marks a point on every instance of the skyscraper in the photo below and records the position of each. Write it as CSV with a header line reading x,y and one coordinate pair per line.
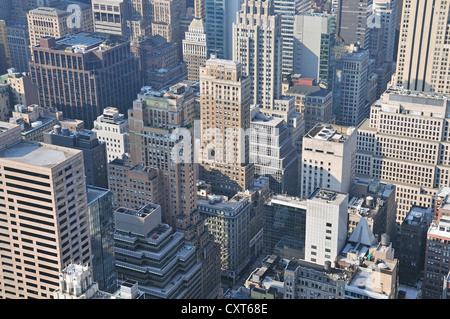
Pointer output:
x,y
199,9
437,249
354,104
328,159
273,153
160,62
94,151
386,13
405,142
19,46
194,48
352,22
166,22
57,21
110,16
88,72
257,45
5,54
45,222
422,53
155,125
101,215
225,115
228,221
139,18
326,226
288,10
220,15
313,40
314,103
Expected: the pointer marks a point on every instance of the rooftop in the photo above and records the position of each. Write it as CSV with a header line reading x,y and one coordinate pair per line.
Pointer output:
x,y
363,283
283,199
402,94
38,154
230,208
260,118
142,212
327,196
94,193
310,90
440,229
83,42
330,132
418,216
365,206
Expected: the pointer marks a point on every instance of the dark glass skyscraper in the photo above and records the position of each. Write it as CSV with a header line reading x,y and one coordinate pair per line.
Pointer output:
x,y
101,215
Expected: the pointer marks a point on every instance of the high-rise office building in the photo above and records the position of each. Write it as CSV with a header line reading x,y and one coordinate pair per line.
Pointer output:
x,y
288,10
101,215
353,23
284,226
160,62
109,16
328,159
166,20
94,151
133,186
437,249
138,19
405,143
422,52
257,45
88,72
413,239
354,104
5,53
225,116
199,9
155,125
111,128
19,46
258,193
273,153
313,40
57,21
314,103
194,48
228,221
326,226
45,221
385,12
219,19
